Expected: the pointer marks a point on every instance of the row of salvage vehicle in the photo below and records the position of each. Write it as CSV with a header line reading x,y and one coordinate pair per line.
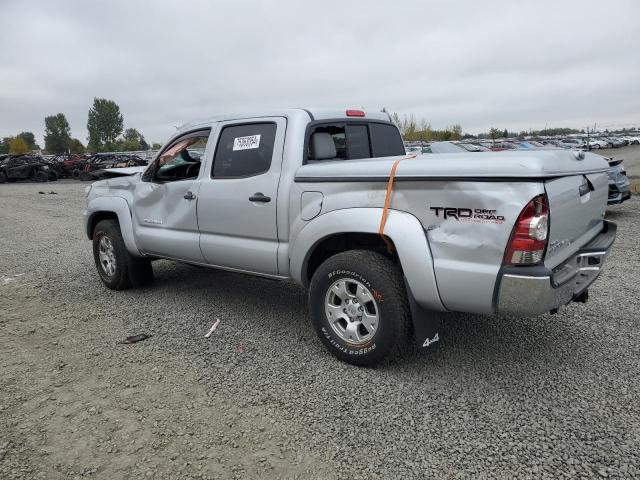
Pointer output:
x,y
619,184
37,168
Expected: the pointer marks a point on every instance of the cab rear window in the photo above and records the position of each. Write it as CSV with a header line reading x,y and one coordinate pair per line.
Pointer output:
x,y
356,140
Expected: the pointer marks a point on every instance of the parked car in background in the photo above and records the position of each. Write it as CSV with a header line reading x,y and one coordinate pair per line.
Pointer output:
x,y
474,147
574,143
71,165
95,165
443,147
615,142
525,145
595,143
631,140
619,185
413,150
500,146
25,167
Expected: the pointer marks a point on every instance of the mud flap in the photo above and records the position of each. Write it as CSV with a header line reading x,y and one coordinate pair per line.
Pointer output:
x,y
427,324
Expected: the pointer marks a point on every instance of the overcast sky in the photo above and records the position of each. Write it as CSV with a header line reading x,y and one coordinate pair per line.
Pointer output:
x,y
516,64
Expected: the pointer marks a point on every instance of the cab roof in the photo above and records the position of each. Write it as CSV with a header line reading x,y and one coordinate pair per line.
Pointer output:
x,y
309,114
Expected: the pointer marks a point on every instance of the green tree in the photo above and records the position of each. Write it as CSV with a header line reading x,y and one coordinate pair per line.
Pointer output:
x,y
57,134
4,145
104,124
76,146
494,133
30,139
156,146
17,146
134,139
505,134
456,132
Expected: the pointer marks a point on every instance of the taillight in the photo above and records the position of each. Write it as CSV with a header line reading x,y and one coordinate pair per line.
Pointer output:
x,y
355,113
529,237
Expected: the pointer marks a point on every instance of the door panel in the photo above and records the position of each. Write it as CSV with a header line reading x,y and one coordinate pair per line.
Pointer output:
x,y
165,222
237,232
165,201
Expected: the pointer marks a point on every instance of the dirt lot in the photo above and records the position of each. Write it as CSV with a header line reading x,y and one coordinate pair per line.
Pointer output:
x,y
555,396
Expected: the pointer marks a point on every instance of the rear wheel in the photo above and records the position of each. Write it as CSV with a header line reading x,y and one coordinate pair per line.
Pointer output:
x,y
118,269
3,177
85,176
53,175
359,307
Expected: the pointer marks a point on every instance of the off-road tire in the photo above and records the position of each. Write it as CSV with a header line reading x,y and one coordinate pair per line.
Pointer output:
x,y
3,177
40,176
75,173
85,176
384,279
53,175
130,271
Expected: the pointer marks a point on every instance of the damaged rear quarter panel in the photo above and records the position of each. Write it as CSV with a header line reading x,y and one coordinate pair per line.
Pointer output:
x,y
467,252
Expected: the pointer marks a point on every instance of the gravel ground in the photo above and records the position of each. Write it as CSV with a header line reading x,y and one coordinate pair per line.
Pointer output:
x,y
556,396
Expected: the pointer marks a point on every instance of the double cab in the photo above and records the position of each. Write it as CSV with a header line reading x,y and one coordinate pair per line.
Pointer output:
x,y
386,243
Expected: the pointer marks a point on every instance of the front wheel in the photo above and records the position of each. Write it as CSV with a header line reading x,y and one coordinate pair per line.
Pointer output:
x,y
359,307
118,269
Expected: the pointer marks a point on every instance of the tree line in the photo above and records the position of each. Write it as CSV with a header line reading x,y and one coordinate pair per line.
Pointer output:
x,y
105,125
419,130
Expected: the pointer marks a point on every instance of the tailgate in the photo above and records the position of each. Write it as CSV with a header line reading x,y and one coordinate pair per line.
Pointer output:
x,y
576,209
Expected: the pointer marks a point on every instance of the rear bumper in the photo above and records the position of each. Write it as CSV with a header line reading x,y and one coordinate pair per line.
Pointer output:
x,y
619,192
535,290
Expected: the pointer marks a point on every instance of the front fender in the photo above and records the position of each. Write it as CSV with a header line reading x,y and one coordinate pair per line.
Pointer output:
x,y
402,228
118,206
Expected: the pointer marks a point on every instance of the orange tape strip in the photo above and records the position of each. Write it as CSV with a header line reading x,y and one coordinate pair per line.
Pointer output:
x,y
387,200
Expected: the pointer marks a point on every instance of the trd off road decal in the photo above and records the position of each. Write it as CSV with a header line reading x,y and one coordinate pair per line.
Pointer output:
x,y
478,215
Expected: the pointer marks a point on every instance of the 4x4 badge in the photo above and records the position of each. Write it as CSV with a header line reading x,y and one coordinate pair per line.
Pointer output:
x,y
429,341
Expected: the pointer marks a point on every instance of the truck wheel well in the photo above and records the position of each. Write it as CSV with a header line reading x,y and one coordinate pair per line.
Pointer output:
x,y
333,244
98,217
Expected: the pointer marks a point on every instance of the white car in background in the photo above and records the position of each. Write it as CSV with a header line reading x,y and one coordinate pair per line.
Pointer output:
x,y
595,143
632,140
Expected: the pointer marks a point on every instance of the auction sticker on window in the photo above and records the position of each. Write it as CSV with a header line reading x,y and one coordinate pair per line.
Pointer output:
x,y
246,143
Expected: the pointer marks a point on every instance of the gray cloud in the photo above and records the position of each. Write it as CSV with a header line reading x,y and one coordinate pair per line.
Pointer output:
x,y
520,65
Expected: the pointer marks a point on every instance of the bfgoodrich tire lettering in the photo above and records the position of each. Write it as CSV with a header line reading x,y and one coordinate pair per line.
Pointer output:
x,y
362,271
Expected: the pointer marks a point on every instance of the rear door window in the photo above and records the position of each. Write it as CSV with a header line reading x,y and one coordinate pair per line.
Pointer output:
x,y
244,150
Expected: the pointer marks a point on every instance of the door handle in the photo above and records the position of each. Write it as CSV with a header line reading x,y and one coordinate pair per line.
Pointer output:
x,y
189,196
259,197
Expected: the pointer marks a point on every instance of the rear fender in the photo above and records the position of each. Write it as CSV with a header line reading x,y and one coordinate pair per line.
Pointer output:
x,y
120,207
402,228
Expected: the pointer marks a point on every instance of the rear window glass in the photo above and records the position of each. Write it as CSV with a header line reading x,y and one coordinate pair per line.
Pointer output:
x,y
358,141
361,140
244,150
385,140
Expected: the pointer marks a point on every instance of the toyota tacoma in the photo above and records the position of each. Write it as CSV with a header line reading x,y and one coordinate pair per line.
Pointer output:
x,y
385,242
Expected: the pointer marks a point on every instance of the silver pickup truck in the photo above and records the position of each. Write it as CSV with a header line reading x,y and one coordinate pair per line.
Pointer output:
x,y
386,243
